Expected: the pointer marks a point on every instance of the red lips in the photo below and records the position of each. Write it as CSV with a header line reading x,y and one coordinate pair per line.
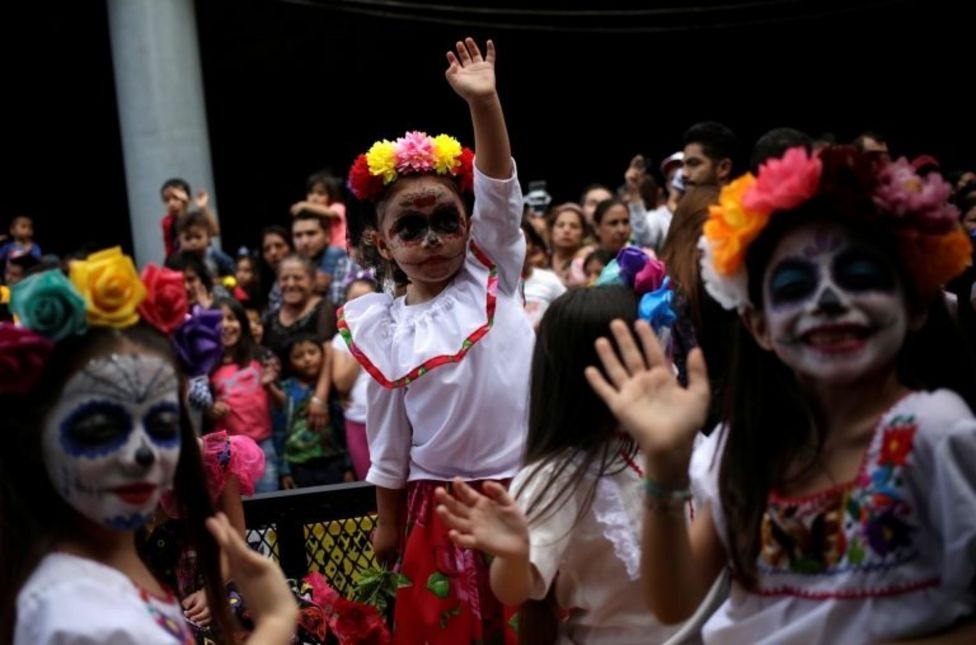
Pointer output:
x,y
837,339
135,494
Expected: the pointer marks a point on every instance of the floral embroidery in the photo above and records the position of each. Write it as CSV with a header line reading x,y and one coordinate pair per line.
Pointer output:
x,y
865,525
896,445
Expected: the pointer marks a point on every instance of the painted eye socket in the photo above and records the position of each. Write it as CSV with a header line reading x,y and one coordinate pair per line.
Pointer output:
x,y
95,428
792,282
447,221
410,227
163,423
860,272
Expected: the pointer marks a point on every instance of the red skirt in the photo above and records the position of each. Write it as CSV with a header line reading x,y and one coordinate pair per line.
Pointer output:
x,y
449,599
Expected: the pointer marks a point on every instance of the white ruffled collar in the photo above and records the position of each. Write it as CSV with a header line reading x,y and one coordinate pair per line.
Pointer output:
x,y
397,343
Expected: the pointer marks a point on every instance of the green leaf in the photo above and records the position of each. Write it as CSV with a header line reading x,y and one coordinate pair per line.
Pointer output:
x,y
439,585
513,622
402,581
855,552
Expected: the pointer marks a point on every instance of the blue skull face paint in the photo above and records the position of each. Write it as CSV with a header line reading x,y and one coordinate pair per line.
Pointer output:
x,y
112,442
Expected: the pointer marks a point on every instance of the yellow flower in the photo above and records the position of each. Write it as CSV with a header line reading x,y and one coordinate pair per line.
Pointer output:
x,y
111,287
381,158
731,227
447,149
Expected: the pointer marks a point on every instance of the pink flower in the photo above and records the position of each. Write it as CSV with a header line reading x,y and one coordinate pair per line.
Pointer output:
x,y
922,204
414,153
784,183
650,276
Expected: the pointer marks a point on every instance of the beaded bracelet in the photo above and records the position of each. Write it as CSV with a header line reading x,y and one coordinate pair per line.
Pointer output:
x,y
665,500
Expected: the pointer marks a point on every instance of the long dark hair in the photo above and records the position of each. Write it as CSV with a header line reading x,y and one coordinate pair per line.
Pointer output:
x,y
571,430
773,436
34,517
247,350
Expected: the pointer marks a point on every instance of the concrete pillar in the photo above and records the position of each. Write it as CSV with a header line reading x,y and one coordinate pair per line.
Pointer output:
x,y
159,89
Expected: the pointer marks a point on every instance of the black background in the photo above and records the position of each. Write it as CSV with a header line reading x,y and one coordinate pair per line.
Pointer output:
x,y
292,86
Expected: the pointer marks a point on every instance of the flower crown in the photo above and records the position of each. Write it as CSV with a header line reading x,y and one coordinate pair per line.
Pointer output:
x,y
415,153
103,290
932,244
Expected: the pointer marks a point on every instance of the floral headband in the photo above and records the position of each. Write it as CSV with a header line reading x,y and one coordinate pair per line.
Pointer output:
x,y
932,244
415,153
104,290
647,276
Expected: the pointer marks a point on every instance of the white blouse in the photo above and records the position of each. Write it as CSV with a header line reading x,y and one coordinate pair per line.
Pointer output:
x,y
889,555
70,600
597,558
449,392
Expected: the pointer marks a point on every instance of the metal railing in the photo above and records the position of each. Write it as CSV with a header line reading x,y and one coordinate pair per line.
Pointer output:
x,y
323,528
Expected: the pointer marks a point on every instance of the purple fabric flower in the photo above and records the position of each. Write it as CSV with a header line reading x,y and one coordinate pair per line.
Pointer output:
x,y
631,260
197,342
887,532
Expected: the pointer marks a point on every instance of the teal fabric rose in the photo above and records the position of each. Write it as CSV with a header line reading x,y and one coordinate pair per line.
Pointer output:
x,y
48,304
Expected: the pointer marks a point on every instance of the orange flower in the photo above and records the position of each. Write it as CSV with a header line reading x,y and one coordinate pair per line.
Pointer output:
x,y
111,288
731,226
934,260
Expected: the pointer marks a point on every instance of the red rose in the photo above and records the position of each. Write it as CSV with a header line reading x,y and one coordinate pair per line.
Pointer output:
x,y
22,357
465,172
165,305
359,624
363,184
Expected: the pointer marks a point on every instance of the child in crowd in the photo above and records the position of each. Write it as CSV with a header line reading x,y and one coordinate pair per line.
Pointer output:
x,y
175,194
193,233
308,458
352,381
21,241
570,530
323,196
241,405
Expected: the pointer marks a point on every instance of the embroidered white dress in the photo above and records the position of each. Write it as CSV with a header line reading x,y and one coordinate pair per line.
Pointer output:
x,y
889,555
450,376
597,558
75,601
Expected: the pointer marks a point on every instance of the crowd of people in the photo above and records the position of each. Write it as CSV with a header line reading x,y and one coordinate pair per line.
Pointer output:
x,y
720,402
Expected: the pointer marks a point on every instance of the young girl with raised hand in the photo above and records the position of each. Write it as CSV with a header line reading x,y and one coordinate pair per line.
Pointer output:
x,y
97,435
450,359
570,530
838,491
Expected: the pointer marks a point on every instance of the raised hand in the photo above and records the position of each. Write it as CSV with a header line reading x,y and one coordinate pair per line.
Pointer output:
x,y
634,176
202,199
492,522
647,399
261,583
471,75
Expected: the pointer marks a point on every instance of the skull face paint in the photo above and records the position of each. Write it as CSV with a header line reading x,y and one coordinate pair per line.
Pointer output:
x,y
112,442
424,229
835,310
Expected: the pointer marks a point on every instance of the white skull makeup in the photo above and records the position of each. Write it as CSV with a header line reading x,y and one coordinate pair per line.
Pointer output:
x,y
834,309
112,441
